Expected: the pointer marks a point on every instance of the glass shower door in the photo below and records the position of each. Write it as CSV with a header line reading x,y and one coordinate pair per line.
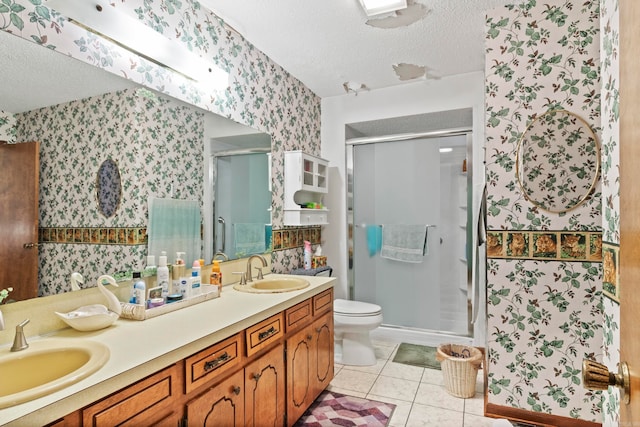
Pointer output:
x,y
400,183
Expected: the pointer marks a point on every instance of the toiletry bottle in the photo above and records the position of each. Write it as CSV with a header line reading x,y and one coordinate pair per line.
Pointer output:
x,y
307,255
139,289
178,273
203,278
163,275
196,289
149,272
216,276
184,287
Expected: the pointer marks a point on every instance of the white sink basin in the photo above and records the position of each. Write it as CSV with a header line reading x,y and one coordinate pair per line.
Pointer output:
x,y
273,285
47,366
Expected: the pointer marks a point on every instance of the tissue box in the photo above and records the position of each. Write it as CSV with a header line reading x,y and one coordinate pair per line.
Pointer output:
x,y
318,261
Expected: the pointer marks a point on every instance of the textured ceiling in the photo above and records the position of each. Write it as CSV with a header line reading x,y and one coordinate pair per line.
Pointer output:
x,y
327,43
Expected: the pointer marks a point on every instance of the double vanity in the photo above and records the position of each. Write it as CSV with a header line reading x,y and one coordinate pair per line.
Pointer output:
x,y
237,360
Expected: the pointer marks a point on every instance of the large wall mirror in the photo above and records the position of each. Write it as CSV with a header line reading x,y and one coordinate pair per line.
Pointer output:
x,y
558,161
34,77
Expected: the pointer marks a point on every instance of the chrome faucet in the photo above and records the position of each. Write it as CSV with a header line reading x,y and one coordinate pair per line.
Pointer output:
x,y
264,264
20,342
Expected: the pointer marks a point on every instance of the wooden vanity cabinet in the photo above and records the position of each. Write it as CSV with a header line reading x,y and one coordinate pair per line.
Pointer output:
x,y
151,401
264,393
309,352
222,405
255,392
267,374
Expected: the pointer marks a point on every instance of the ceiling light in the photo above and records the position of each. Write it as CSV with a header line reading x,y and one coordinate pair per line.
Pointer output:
x,y
99,17
446,150
376,7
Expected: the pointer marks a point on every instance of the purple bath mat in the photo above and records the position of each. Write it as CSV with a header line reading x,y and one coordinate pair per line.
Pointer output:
x,y
335,409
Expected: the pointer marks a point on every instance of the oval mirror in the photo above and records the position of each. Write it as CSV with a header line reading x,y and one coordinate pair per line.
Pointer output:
x,y
108,187
558,161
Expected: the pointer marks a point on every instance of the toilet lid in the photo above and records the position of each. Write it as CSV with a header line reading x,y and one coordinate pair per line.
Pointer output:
x,y
355,308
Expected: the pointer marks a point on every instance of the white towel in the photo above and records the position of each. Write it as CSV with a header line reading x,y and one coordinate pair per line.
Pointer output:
x,y
404,242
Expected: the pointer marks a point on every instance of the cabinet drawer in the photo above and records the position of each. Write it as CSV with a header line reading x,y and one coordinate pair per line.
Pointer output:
x,y
151,401
306,217
264,333
298,315
212,362
323,302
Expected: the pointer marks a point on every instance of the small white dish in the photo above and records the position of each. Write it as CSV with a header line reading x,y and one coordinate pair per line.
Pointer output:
x,y
95,316
89,317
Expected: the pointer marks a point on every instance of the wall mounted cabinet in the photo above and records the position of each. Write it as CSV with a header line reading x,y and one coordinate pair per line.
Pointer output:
x,y
306,181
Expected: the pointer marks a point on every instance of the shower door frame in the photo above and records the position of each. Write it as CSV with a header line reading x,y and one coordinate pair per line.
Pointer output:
x,y
350,145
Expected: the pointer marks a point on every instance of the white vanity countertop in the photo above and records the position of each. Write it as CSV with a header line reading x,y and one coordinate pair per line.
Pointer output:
x,y
141,348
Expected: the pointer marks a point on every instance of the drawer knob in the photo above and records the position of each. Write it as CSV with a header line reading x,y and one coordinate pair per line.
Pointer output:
x,y
257,376
236,390
212,364
267,333
309,337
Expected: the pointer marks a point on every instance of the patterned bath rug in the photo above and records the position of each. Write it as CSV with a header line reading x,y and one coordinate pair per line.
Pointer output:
x,y
335,409
417,355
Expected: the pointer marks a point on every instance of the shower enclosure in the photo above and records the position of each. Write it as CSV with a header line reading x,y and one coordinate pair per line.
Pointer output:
x,y
242,202
416,179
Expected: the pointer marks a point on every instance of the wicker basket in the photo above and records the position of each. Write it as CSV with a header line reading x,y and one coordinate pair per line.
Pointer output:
x,y
460,364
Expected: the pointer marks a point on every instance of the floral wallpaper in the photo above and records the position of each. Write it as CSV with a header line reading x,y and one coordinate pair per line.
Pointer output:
x,y
7,127
610,66
158,147
261,94
544,315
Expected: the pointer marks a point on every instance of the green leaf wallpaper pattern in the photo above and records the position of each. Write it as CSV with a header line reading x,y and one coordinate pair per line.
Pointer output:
x,y
261,93
544,316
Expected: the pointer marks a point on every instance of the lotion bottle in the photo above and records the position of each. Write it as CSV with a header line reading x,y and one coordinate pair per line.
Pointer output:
x,y
178,274
139,290
307,255
163,275
216,276
150,271
196,289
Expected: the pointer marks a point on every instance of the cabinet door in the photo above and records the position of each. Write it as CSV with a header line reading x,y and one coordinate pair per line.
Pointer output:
x,y
152,401
322,371
220,406
300,353
264,389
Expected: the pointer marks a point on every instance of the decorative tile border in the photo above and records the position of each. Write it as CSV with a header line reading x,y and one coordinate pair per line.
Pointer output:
x,y
290,238
545,245
611,271
93,235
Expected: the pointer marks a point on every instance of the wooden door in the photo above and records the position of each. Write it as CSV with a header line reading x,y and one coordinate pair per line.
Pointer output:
x,y
322,371
264,382
630,203
19,178
299,365
220,406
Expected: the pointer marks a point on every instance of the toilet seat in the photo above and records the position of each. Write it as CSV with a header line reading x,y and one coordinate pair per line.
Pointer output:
x,y
350,308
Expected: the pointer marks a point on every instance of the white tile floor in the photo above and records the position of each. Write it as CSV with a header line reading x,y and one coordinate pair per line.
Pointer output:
x,y
418,393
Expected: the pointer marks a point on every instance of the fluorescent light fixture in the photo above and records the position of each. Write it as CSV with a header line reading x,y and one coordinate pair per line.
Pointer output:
x,y
446,149
99,17
376,7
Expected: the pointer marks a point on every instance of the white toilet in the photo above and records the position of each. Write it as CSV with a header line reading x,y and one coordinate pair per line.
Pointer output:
x,y
352,321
